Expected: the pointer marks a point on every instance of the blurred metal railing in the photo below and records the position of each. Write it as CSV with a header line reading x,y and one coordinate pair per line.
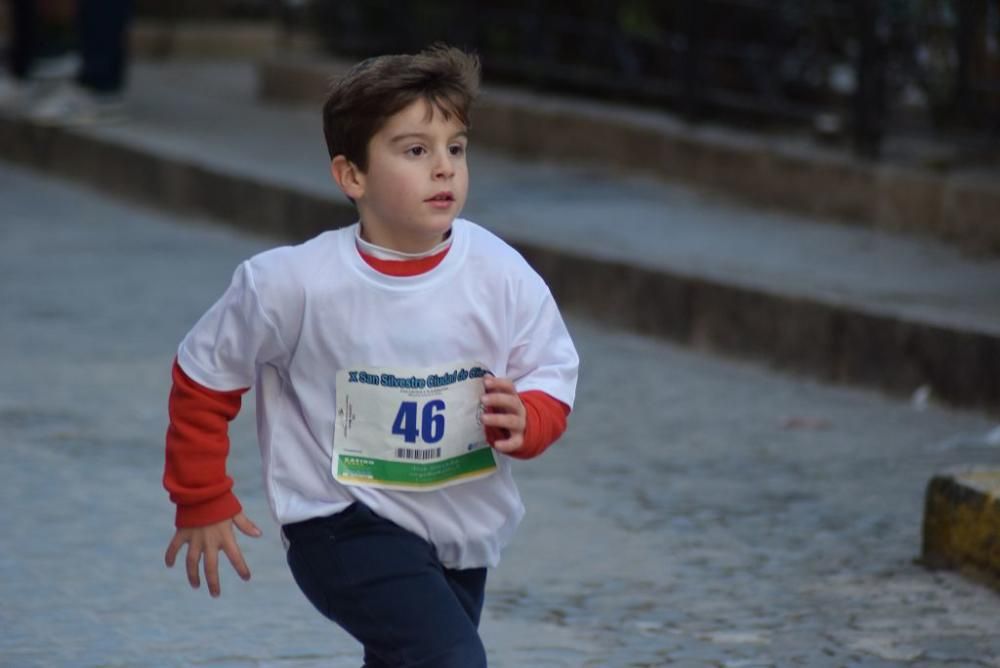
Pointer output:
x,y
843,68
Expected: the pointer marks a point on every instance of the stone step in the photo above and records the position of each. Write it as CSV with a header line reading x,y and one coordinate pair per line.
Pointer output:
x,y
843,304
919,187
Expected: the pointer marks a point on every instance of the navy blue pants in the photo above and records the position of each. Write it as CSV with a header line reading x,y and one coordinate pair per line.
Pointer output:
x,y
103,43
386,587
24,31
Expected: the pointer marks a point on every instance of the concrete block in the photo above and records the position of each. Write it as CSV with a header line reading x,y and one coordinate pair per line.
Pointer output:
x,y
961,529
294,80
910,200
151,38
971,214
827,186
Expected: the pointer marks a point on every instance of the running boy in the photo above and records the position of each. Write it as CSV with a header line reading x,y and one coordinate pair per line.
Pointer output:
x,y
385,436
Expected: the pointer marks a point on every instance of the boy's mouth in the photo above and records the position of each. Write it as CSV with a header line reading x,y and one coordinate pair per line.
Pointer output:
x,y
443,196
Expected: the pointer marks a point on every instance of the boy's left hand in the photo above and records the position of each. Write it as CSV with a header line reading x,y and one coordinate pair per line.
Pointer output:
x,y
504,411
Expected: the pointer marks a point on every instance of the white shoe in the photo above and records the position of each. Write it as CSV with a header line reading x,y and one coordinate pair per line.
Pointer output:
x,y
57,68
72,105
14,95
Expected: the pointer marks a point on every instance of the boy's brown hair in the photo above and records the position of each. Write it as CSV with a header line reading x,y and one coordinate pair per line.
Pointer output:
x,y
363,100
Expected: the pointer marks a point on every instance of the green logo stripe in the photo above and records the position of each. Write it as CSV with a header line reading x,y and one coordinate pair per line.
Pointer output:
x,y
422,474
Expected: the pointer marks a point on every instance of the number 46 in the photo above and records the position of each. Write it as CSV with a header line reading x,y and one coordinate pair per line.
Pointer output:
x,y
431,423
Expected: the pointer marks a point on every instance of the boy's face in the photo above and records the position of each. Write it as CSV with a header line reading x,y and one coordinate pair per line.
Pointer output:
x,y
417,179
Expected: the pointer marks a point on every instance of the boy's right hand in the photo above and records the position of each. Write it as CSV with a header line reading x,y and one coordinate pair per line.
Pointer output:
x,y
207,542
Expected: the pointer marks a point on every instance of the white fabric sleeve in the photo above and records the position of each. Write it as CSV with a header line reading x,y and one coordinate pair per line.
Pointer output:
x,y
222,351
542,355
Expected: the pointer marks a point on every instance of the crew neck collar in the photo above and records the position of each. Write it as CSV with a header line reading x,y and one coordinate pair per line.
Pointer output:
x,y
383,253
453,249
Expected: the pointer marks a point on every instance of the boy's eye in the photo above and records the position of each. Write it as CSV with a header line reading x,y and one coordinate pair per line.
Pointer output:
x,y
457,149
417,150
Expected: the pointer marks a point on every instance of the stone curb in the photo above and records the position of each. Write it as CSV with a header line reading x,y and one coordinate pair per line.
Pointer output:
x,y
962,524
151,38
957,206
829,341
170,182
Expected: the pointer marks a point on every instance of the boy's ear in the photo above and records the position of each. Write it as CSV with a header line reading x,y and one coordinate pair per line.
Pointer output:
x,y
347,175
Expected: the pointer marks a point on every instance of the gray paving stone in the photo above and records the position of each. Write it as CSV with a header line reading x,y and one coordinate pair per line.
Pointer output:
x,y
677,510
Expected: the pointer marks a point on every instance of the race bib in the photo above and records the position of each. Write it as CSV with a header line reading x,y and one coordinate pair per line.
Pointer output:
x,y
411,429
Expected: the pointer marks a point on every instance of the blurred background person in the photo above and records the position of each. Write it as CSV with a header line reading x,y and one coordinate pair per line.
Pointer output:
x,y
67,60
40,48
95,95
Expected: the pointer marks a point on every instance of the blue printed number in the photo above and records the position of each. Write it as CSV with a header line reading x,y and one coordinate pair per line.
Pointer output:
x,y
406,422
431,423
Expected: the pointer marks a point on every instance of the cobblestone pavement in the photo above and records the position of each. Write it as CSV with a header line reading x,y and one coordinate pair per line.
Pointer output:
x,y
700,511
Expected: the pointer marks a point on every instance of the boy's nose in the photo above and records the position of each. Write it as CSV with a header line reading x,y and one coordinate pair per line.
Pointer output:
x,y
444,169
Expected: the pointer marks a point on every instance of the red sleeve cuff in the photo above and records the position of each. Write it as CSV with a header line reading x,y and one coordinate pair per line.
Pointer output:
x,y
209,512
545,422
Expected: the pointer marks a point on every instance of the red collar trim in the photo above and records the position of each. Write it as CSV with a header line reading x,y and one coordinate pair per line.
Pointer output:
x,y
404,267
